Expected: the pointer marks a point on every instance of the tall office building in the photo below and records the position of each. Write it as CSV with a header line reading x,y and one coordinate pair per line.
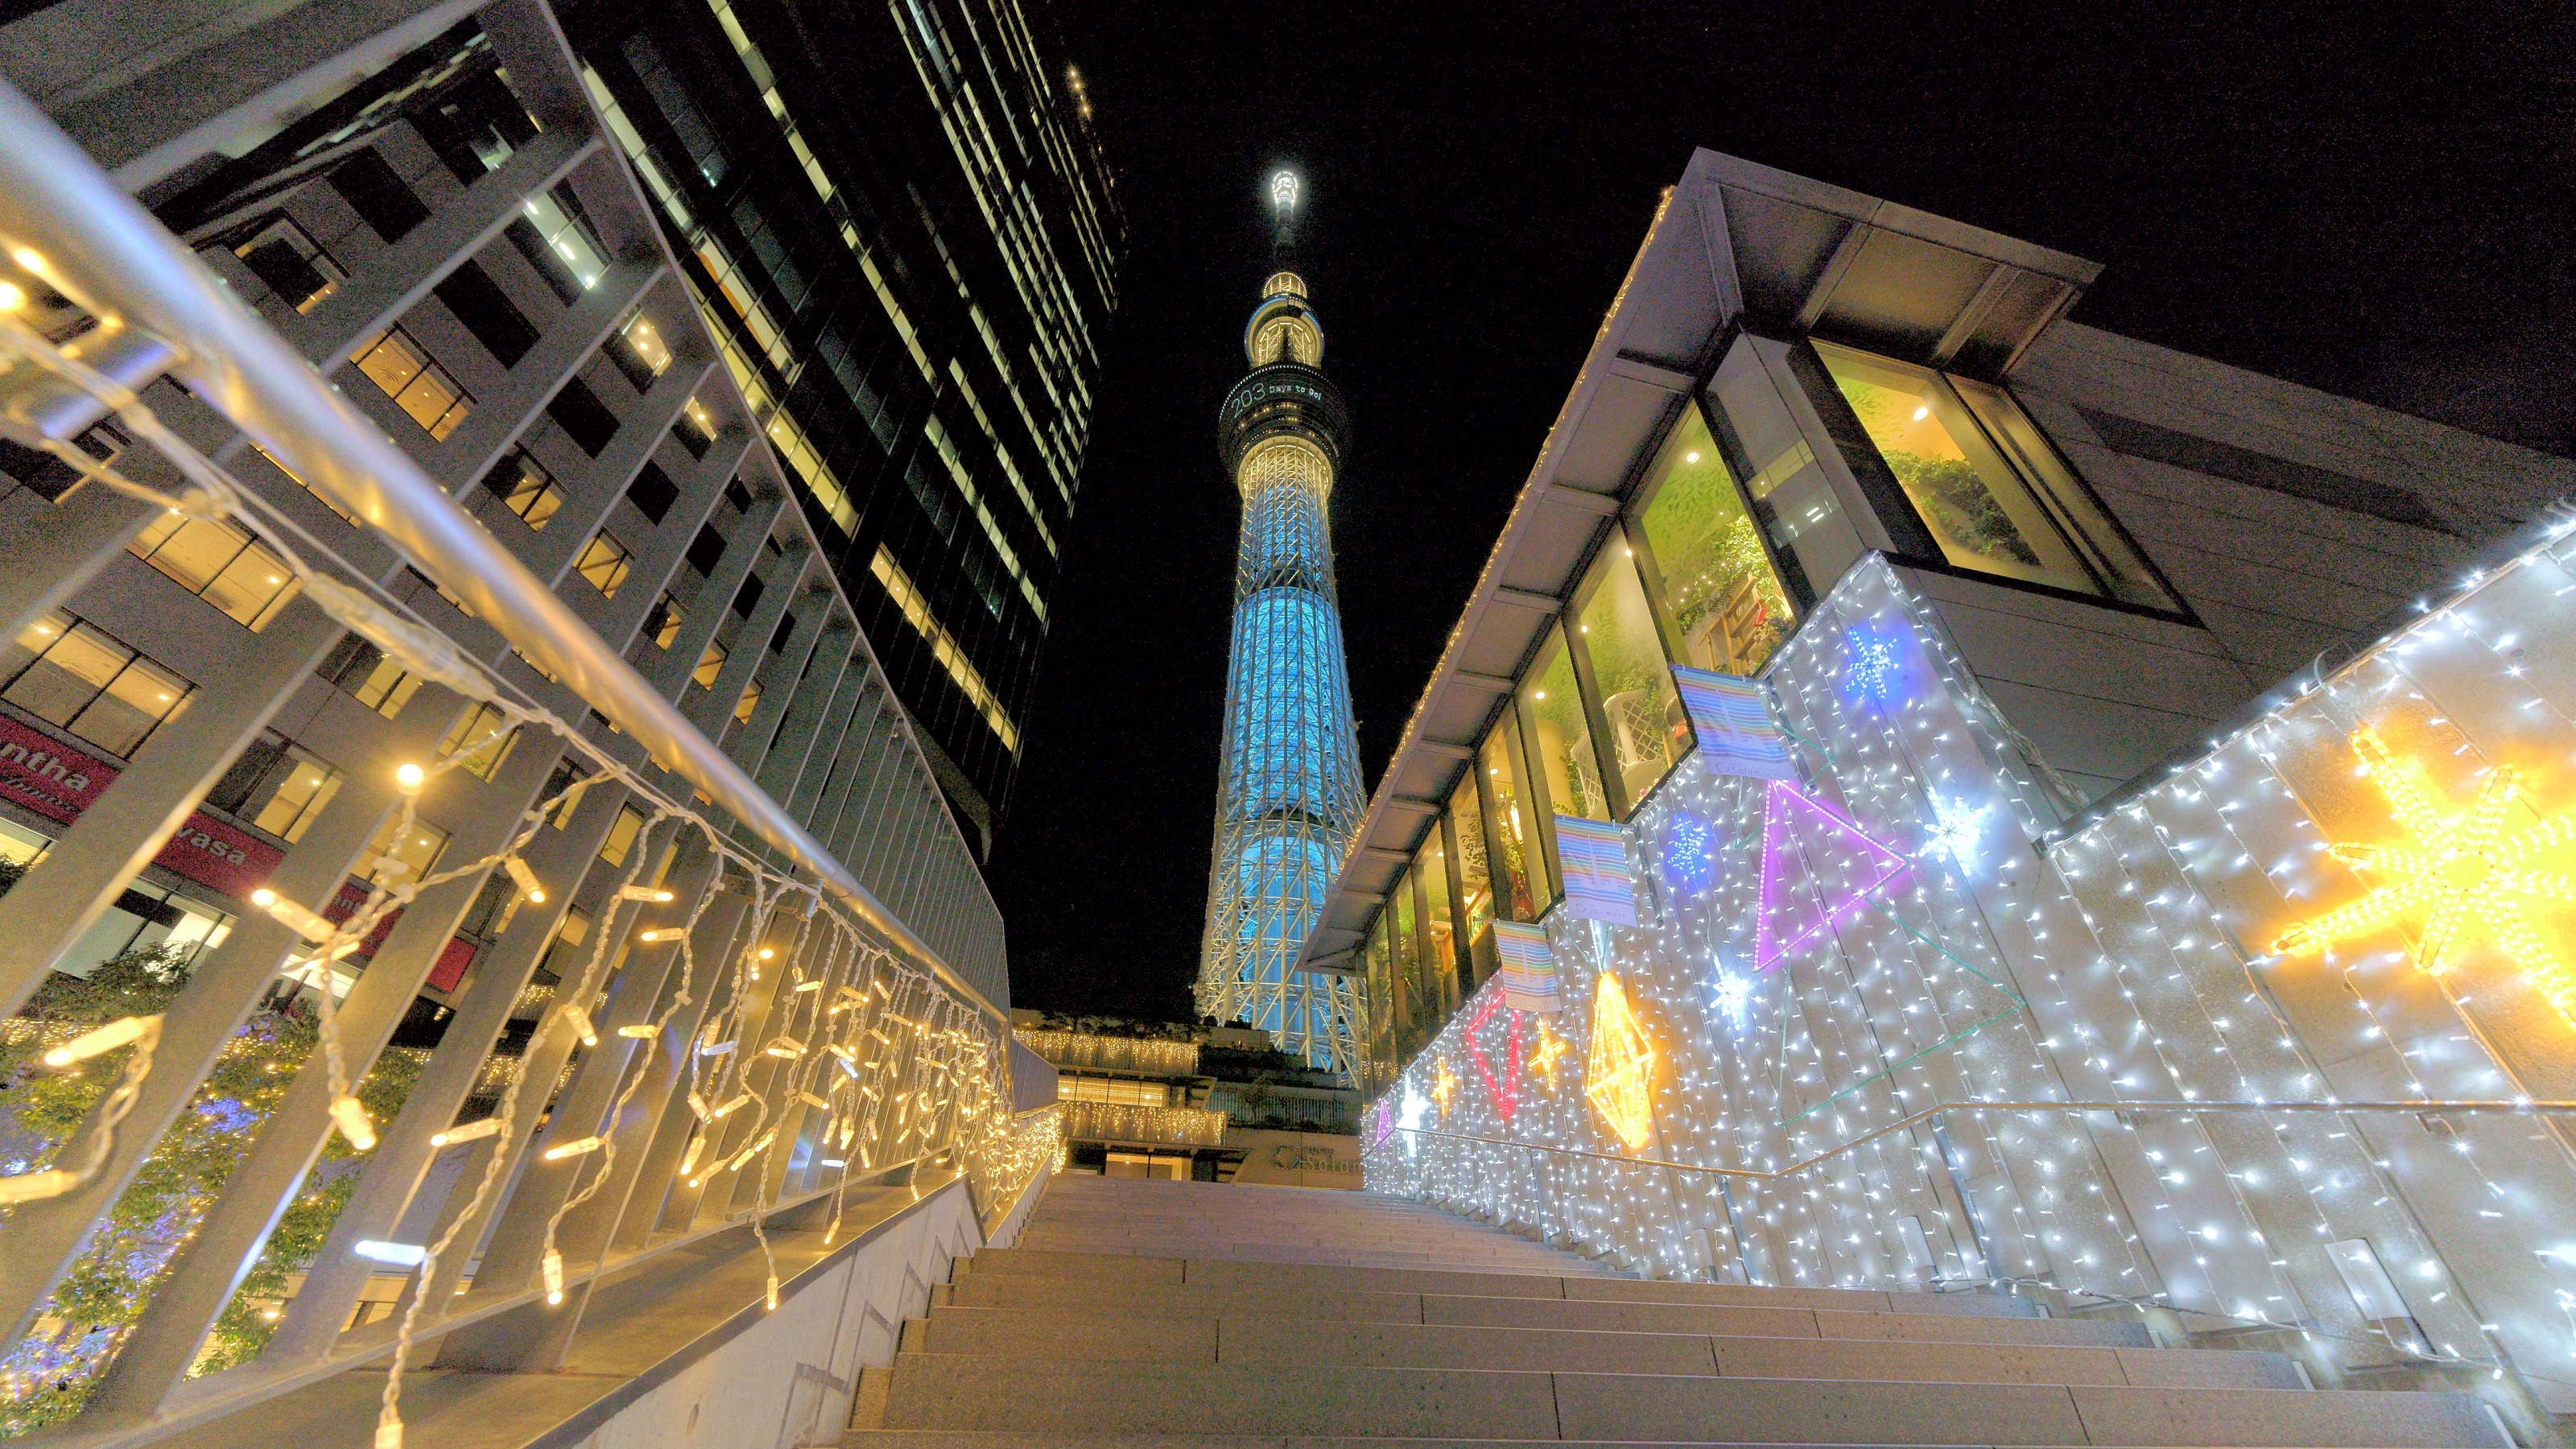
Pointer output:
x,y
898,226
1289,789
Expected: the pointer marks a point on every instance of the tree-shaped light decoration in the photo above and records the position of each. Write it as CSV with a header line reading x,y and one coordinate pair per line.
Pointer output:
x,y
1619,1069
2458,870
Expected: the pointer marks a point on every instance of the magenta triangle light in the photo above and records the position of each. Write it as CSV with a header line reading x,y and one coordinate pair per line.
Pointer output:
x,y
1775,823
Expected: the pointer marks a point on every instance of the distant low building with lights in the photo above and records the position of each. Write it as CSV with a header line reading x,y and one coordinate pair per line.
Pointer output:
x,y
1928,791
1194,1103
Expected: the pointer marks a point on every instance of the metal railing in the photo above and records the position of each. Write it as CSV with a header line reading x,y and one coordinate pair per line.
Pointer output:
x,y
747,1029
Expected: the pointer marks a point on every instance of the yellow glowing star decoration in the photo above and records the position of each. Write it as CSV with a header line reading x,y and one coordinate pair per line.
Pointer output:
x,y
2458,870
1619,1070
1547,1054
1444,1089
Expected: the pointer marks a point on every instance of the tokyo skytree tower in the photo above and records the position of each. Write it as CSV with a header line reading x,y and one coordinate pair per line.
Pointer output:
x,y
1288,787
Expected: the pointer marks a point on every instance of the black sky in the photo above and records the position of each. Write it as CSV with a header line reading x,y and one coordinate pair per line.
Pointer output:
x,y
2375,200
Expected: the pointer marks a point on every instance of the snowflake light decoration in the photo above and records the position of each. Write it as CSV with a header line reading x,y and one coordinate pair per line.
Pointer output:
x,y
1731,994
1873,668
1957,831
2458,870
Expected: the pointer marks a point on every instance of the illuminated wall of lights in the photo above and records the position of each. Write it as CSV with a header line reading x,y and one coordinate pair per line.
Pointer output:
x,y
2367,895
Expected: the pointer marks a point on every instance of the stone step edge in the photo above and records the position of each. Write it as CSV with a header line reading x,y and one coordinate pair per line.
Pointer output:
x,y
1093,1324
1018,1439
914,1356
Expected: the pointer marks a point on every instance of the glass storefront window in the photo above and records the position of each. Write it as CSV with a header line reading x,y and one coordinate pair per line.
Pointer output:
x,y
1718,583
1411,1018
1985,512
1439,925
1639,709
1475,878
1560,736
1512,818
1381,996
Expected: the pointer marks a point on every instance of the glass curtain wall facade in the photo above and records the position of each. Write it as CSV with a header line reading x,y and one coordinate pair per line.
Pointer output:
x,y
899,227
1289,794
1710,568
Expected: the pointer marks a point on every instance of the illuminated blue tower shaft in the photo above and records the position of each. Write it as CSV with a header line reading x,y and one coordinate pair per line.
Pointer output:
x,y
1289,799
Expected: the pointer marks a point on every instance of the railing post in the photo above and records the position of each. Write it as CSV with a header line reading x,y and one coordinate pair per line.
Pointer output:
x,y
41,1239
204,1274
336,1276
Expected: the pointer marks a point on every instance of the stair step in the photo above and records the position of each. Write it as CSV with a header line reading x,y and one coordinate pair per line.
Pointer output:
x,y
1011,1395
1257,1341
974,1439
1104,1268
1203,1300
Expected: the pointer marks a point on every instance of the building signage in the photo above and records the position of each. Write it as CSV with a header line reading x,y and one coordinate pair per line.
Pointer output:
x,y
41,774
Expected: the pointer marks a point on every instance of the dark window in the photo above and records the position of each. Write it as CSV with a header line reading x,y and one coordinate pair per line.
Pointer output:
x,y
50,476
234,789
749,599
380,198
738,495
696,136
691,434
558,273
706,550
580,413
285,270
488,313
786,627
653,492
630,360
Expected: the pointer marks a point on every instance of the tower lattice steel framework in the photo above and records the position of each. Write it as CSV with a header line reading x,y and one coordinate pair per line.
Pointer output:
x,y
1289,798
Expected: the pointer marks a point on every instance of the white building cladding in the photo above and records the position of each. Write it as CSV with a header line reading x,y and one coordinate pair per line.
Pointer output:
x,y
2043,845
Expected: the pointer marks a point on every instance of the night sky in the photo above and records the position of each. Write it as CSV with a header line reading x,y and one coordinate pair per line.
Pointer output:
x,y
2371,200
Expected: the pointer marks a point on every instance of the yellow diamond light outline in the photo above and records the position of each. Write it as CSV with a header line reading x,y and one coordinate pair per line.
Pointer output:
x,y
1619,1066
2459,870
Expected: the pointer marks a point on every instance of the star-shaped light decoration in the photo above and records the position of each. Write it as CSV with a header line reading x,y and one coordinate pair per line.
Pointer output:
x,y
1547,1054
1444,1089
1619,1070
2458,870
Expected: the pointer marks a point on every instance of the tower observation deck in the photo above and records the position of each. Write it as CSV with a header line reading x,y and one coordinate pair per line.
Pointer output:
x,y
1288,788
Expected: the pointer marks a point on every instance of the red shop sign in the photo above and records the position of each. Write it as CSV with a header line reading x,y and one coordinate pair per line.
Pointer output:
x,y
59,782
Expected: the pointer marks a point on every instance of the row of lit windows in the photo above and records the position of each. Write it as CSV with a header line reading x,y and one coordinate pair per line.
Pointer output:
x,y
1699,574
944,647
1119,1090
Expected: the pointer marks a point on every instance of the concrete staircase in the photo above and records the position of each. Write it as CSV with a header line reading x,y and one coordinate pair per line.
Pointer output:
x,y
1197,1316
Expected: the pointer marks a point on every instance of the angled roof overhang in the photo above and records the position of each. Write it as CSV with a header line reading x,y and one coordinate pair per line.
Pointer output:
x,y
1731,240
